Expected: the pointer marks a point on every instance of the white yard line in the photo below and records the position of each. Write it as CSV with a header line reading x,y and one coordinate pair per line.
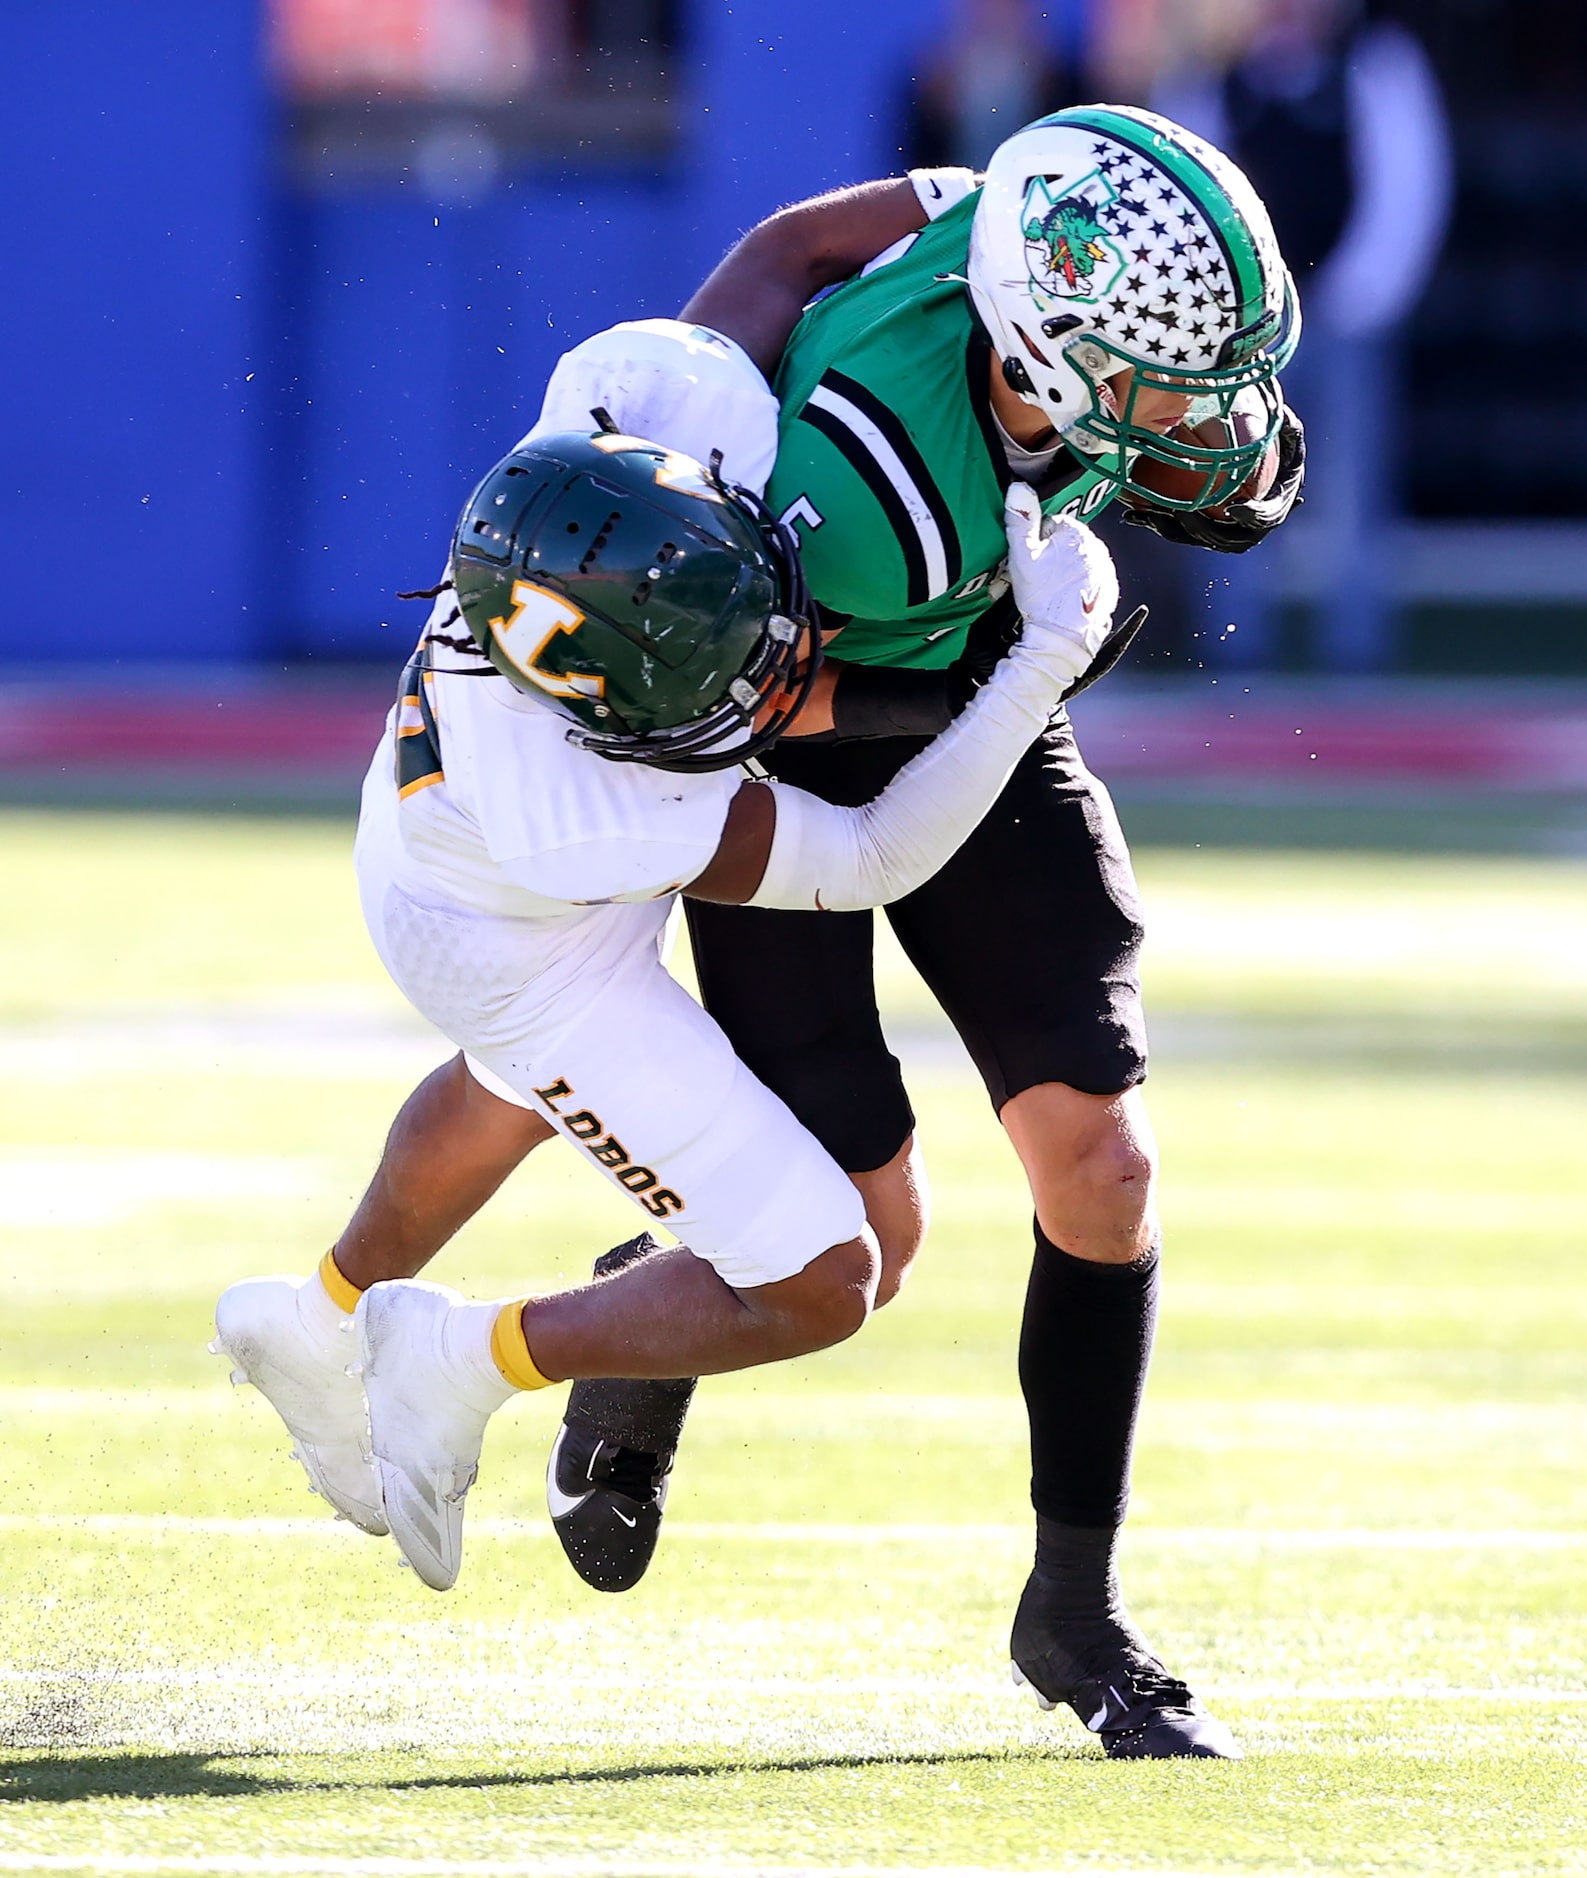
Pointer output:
x,y
65,1187
549,1867
776,1532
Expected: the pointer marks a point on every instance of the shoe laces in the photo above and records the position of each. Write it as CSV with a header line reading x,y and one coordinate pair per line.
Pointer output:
x,y
1136,1677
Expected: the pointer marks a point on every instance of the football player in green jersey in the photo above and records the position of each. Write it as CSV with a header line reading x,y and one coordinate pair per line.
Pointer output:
x,y
893,456
1105,316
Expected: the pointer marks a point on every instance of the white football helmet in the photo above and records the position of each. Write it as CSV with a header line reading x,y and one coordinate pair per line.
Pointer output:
x,y
1108,238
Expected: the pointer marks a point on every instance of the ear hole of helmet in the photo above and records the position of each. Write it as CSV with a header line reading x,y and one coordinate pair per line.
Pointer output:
x,y
1017,378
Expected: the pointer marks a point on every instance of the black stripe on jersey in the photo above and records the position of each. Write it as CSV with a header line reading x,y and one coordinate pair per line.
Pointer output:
x,y
977,376
917,588
891,426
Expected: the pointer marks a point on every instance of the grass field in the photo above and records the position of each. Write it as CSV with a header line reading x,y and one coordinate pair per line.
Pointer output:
x,y
1361,1515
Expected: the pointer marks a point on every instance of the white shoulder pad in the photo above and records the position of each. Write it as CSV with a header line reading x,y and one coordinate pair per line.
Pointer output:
x,y
941,190
684,386
566,824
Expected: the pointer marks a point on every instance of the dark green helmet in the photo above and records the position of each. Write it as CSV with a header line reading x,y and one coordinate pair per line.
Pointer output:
x,y
654,606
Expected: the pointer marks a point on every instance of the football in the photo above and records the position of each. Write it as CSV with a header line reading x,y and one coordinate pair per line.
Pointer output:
x,y
1247,420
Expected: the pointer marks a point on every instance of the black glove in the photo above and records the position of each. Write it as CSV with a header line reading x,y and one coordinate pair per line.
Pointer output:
x,y
1242,524
1111,650
996,631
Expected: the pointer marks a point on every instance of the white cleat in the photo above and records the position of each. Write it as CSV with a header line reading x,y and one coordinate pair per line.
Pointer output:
x,y
426,1425
296,1356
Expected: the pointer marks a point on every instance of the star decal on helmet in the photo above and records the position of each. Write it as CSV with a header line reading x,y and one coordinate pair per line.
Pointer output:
x,y
1082,236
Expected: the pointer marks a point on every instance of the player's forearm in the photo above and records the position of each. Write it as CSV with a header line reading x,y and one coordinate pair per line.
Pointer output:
x,y
843,859
893,701
757,293
853,702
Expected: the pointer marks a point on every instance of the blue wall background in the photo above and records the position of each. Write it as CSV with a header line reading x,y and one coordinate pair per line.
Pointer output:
x,y
133,224
238,418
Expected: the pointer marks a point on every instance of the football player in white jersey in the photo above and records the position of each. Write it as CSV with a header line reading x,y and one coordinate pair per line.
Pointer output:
x,y
620,629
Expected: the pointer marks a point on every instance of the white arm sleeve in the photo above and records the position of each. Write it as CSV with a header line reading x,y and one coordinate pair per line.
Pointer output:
x,y
672,383
838,860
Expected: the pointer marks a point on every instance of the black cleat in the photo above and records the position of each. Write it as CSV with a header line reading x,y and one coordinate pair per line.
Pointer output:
x,y
1104,1671
606,1484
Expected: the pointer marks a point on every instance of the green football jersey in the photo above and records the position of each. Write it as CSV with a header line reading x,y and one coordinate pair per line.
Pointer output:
x,y
889,462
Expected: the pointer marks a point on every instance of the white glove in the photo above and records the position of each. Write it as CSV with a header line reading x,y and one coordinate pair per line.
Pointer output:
x,y
839,859
1064,585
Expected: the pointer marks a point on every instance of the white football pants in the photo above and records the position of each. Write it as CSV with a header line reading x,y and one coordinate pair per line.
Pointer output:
x,y
585,1025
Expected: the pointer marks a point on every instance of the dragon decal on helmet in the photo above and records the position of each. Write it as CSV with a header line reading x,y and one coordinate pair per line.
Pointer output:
x,y
1114,253
1068,248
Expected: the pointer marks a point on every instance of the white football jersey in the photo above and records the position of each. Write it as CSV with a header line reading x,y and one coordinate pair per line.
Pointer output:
x,y
508,817
512,819
522,823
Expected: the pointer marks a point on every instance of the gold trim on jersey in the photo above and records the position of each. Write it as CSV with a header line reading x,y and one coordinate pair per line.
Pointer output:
x,y
418,763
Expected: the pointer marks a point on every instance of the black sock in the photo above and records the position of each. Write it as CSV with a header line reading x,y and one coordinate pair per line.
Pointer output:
x,y
1083,1350
1076,1576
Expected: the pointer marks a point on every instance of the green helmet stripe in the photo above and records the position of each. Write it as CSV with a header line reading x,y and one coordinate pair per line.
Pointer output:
x,y
1200,184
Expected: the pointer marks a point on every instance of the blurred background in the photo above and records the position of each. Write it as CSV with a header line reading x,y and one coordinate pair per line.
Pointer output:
x,y
287,273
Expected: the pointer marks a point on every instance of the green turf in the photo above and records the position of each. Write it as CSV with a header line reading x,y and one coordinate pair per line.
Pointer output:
x,y
1361,1516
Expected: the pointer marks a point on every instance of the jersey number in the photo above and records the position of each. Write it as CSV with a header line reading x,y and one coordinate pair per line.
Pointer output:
x,y
801,509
